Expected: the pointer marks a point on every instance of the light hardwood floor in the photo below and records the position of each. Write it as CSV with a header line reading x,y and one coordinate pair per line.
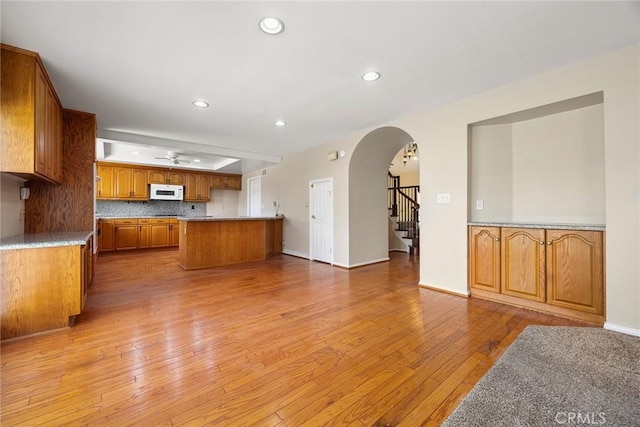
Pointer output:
x,y
280,342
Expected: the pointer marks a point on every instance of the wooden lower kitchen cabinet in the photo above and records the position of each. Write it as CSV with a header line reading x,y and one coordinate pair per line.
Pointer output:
x,y
523,263
159,232
174,232
575,270
106,235
484,258
144,235
556,271
126,233
44,287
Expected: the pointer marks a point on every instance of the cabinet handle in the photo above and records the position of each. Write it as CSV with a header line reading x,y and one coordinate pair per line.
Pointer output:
x,y
548,243
541,242
497,240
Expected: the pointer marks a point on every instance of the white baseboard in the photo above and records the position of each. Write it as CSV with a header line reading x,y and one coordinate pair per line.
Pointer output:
x,y
623,329
361,264
446,290
295,253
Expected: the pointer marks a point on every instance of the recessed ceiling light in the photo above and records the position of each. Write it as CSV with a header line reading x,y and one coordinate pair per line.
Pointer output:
x,y
271,25
279,123
370,76
200,104
135,153
196,160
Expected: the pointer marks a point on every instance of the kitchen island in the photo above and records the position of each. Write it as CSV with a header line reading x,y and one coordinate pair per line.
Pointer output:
x,y
216,241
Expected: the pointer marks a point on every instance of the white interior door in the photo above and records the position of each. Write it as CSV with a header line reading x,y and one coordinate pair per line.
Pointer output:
x,y
321,220
254,204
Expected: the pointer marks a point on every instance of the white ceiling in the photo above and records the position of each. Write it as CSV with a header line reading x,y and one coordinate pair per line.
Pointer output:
x,y
139,65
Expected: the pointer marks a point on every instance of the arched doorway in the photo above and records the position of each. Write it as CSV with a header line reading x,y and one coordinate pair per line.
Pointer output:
x,y
368,213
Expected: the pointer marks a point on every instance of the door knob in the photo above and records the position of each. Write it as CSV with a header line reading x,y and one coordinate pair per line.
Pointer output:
x,y
313,216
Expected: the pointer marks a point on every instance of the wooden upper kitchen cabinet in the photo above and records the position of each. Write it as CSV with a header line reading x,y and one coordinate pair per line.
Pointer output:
x,y
226,182
197,187
165,177
130,183
575,273
484,258
31,118
105,182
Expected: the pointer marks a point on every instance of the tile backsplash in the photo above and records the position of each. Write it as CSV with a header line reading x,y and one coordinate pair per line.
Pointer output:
x,y
149,208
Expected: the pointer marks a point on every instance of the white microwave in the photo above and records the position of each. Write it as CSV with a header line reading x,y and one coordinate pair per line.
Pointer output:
x,y
166,192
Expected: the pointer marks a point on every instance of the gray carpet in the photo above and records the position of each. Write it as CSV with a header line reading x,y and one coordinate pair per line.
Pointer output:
x,y
553,376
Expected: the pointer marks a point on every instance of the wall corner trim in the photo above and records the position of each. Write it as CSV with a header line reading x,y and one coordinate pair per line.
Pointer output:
x,y
445,290
623,329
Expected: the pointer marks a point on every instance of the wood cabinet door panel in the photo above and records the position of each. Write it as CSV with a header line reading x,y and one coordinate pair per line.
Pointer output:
x,y
105,184
107,236
157,177
523,263
174,233
122,183
575,270
126,237
139,187
175,178
41,122
159,235
143,236
484,258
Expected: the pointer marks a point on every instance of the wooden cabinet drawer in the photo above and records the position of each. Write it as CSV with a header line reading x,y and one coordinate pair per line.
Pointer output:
x,y
143,221
159,220
127,221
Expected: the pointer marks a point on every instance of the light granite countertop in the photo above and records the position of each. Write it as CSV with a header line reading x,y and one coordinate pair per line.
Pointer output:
x,y
235,218
45,240
584,227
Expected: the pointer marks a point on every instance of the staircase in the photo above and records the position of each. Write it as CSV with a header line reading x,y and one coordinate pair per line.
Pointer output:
x,y
404,211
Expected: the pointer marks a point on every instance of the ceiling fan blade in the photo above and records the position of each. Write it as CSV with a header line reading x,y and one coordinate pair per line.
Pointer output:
x,y
162,158
184,161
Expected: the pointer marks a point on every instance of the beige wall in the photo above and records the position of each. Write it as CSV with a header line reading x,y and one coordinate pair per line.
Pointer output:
x,y
11,207
443,138
442,135
491,167
224,203
548,169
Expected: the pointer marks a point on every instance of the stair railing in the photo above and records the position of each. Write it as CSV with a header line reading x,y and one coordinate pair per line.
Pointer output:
x,y
403,203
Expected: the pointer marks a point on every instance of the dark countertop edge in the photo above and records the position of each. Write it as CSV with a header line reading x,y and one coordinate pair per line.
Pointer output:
x,y
585,227
215,218
45,240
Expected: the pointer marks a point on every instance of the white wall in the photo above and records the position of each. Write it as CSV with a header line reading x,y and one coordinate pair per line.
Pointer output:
x,y
11,207
443,168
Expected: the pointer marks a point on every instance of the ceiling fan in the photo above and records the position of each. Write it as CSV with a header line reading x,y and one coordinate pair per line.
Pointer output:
x,y
172,156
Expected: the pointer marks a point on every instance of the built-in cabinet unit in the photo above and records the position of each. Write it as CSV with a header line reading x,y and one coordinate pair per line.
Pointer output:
x,y
558,271
31,118
127,182
137,233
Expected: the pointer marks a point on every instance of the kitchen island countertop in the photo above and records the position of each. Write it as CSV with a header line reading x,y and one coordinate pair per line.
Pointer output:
x,y
231,218
45,240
